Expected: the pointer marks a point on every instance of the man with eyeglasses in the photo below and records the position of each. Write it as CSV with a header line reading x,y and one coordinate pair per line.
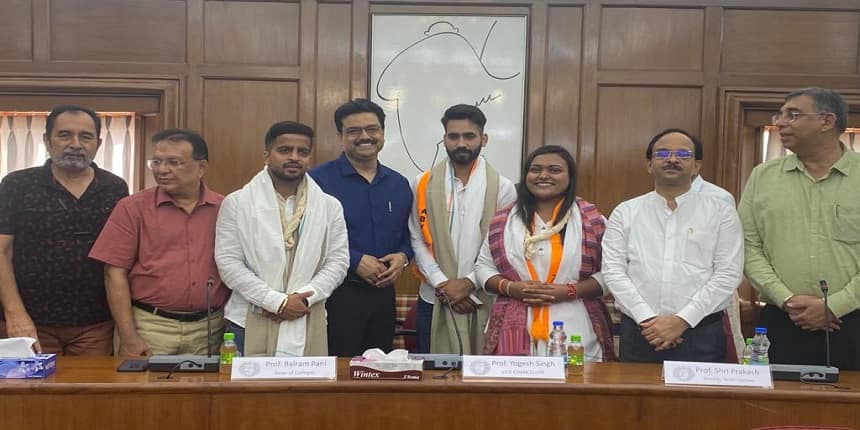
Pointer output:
x,y
672,259
801,218
454,203
49,217
376,204
158,248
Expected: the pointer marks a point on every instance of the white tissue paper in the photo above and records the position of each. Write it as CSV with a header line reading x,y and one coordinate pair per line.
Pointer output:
x,y
17,347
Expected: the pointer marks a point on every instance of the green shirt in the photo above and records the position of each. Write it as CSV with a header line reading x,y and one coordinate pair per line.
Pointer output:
x,y
798,231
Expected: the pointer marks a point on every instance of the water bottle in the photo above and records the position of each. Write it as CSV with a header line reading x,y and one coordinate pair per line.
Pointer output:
x,y
558,341
575,355
760,345
228,352
747,353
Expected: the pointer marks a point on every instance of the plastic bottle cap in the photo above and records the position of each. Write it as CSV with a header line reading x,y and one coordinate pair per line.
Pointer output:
x,y
557,323
749,340
576,338
229,336
759,330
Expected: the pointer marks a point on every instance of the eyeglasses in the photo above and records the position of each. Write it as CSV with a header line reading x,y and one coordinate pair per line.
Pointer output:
x,y
682,154
355,132
170,163
791,116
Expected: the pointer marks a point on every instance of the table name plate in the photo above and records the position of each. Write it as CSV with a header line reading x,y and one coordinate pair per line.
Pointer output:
x,y
718,374
488,367
298,368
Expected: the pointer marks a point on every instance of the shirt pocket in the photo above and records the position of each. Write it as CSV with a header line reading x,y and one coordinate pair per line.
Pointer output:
x,y
699,246
847,226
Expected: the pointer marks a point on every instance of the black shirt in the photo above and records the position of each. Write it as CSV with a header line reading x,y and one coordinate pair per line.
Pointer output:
x,y
54,231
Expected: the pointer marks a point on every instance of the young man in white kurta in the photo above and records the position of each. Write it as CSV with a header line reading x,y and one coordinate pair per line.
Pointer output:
x,y
464,137
673,258
281,246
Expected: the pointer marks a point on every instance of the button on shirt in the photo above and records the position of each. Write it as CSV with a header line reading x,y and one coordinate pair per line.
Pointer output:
x,y
169,253
376,213
685,262
54,231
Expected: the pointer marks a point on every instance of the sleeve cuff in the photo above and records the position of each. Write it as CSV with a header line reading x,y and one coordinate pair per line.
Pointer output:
x,y
642,312
273,301
692,317
841,303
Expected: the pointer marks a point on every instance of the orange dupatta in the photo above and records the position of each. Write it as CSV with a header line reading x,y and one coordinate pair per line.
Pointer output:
x,y
539,330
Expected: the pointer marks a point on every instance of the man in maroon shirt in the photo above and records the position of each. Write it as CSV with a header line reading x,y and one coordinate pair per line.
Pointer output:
x,y
49,218
158,249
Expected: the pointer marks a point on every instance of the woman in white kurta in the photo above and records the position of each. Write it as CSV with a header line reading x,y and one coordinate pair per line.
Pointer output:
x,y
542,257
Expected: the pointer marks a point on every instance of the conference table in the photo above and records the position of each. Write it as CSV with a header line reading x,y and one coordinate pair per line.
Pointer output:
x,y
88,393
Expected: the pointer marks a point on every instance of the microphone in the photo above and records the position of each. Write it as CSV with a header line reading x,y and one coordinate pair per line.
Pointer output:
x,y
811,373
189,362
824,290
454,364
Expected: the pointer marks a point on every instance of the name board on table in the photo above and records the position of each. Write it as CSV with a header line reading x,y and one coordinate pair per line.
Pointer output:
x,y
507,368
716,374
297,368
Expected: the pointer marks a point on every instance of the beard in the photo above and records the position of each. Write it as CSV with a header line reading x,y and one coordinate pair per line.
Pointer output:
x,y
463,156
284,176
73,160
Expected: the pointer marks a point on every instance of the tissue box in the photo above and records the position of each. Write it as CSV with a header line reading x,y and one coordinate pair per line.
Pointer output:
x,y
40,366
392,370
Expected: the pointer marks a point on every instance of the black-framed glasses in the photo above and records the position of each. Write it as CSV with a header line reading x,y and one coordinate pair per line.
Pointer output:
x,y
355,132
682,154
791,116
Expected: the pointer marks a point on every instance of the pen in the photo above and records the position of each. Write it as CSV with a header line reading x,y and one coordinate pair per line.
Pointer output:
x,y
389,206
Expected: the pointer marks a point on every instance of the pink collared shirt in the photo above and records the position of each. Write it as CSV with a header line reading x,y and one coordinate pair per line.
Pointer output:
x,y
169,253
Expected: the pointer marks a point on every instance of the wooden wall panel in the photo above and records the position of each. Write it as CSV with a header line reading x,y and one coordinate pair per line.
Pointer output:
x,y
236,116
334,24
563,60
795,42
251,32
17,23
651,39
148,31
627,119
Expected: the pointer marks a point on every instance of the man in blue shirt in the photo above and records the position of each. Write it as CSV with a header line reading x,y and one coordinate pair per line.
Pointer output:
x,y
376,204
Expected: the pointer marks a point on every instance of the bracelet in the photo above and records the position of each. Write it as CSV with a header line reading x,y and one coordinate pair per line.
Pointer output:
x,y
508,288
571,291
501,285
283,304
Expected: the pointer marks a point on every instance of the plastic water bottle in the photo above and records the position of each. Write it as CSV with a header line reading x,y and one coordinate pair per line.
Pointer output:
x,y
558,341
228,352
747,353
575,355
760,346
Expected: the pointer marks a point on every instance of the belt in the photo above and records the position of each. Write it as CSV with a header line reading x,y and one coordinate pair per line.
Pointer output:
x,y
183,317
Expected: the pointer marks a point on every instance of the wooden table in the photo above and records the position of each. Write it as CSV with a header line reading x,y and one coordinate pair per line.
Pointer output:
x,y
88,393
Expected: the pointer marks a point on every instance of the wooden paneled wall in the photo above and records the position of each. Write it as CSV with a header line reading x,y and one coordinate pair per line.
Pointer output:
x,y
604,76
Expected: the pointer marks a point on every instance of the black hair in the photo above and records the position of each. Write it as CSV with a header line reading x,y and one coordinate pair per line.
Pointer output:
x,y
61,109
355,106
287,127
826,100
697,145
462,111
526,203
199,149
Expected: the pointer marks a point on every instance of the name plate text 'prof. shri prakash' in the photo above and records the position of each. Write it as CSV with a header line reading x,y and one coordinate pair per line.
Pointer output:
x,y
486,367
718,374
300,368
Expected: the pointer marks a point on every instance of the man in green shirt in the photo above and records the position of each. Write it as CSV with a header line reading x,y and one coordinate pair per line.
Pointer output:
x,y
801,219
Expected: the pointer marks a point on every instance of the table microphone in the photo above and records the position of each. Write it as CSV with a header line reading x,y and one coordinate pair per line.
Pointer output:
x,y
811,373
457,364
188,362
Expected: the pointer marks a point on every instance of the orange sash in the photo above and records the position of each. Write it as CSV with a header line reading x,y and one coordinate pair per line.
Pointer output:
x,y
539,329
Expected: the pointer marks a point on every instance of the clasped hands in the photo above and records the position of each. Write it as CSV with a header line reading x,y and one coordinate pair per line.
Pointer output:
x,y
664,332
381,272
536,293
295,308
808,313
